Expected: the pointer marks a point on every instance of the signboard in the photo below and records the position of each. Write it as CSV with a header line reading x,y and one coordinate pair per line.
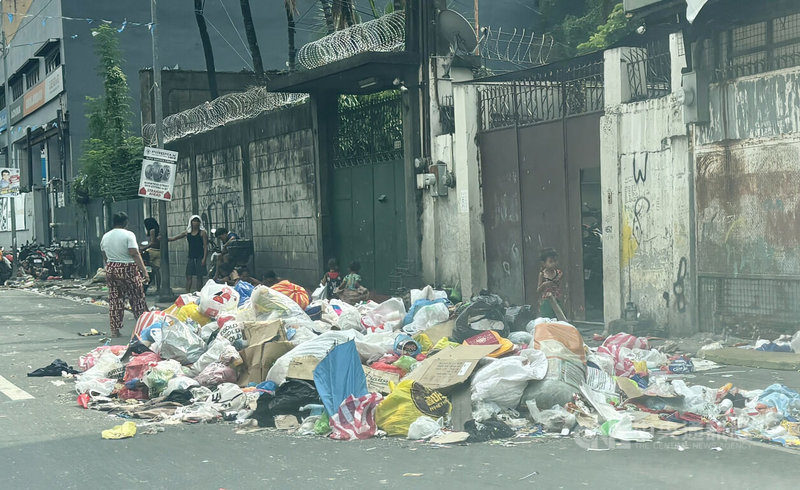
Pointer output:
x,y
157,180
53,84
3,119
9,182
33,99
160,154
5,213
15,110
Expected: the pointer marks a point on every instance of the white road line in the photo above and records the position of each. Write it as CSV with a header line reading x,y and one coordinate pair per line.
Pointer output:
x,y
12,391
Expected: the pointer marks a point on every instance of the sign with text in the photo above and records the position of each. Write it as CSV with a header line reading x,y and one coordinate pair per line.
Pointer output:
x,y
5,213
9,182
53,84
158,173
34,99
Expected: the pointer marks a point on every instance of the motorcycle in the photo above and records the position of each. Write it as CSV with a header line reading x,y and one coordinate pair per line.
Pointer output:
x,y
66,258
36,260
5,266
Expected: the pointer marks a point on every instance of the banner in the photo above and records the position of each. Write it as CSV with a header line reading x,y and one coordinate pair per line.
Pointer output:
x,y
5,213
157,180
9,182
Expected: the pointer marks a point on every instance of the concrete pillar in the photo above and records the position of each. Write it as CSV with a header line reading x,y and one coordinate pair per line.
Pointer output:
x,y
469,216
616,82
613,267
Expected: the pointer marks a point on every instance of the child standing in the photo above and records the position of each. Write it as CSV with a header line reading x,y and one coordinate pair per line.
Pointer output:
x,y
549,283
332,279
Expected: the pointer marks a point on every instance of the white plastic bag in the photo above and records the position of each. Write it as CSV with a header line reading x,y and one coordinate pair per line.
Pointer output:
x,y
350,317
319,293
95,386
317,347
179,383
216,299
385,317
426,317
427,293
503,381
552,420
623,430
108,365
157,377
215,351
424,428
180,342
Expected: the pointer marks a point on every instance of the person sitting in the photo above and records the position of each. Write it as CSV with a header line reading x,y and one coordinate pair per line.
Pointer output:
x,y
351,291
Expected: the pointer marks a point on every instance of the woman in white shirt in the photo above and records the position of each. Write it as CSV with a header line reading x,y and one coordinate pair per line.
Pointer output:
x,y
122,257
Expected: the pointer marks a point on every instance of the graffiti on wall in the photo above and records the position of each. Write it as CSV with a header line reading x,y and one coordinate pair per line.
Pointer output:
x,y
679,287
223,206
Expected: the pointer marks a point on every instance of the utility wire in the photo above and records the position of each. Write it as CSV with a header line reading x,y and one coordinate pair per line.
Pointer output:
x,y
247,63
238,34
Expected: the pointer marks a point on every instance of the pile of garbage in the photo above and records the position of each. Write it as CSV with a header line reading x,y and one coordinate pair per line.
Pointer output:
x,y
425,369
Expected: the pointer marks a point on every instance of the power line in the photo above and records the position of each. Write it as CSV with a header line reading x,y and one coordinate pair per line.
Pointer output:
x,y
247,63
246,47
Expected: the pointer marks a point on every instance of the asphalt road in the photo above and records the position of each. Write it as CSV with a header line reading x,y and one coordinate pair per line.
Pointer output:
x,y
47,441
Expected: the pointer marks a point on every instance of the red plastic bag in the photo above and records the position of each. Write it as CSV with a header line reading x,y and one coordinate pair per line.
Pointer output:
x,y
135,369
355,418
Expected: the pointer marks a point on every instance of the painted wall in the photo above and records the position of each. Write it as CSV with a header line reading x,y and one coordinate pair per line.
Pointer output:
x,y
647,183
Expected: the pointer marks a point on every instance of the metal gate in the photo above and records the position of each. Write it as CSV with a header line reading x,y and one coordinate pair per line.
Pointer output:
x,y
540,131
368,206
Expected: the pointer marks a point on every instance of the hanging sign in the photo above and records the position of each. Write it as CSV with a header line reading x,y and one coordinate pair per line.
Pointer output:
x,y
158,174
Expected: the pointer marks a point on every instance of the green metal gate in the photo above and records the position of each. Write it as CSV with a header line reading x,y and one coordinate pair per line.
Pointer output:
x,y
368,207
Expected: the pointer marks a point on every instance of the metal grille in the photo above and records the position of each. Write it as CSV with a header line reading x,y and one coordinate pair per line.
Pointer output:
x,y
744,305
543,94
447,115
650,71
757,48
369,129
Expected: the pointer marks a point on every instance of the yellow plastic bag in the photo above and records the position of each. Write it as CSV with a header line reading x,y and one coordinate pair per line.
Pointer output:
x,y
128,429
191,312
444,342
407,402
424,342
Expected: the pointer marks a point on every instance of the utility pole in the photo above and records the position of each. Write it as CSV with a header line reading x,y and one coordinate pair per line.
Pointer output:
x,y
12,198
164,290
477,24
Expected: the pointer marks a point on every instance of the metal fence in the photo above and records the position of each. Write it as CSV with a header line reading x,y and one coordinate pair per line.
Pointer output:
x,y
447,115
755,48
542,94
747,305
650,70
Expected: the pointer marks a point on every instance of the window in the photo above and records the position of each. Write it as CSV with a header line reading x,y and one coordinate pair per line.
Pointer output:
x,y
32,75
2,98
52,60
16,88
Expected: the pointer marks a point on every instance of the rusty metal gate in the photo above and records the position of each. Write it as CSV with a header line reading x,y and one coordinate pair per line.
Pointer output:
x,y
540,129
368,206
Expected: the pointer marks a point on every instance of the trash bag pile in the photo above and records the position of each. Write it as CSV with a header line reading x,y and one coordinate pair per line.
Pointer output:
x,y
424,369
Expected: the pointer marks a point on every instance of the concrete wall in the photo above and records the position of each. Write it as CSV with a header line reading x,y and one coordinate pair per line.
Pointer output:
x,y
748,202
647,186
257,178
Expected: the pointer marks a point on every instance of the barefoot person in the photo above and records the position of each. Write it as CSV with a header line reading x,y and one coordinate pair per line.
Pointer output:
x,y
124,272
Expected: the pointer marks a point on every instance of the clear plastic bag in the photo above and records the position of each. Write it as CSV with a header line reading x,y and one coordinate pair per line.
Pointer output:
x,y
180,342
426,317
108,365
95,386
424,428
157,377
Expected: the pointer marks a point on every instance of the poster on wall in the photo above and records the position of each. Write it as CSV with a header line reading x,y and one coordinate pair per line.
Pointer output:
x,y
9,182
158,174
5,213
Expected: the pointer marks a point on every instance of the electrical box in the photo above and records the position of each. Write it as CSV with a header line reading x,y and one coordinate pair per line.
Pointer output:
x,y
439,170
696,97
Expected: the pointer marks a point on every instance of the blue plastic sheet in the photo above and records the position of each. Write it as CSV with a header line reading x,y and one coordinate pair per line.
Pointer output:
x,y
245,289
340,375
419,304
785,400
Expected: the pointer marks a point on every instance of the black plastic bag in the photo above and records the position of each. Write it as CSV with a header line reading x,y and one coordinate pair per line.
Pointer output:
x,y
54,369
488,430
287,400
485,306
518,317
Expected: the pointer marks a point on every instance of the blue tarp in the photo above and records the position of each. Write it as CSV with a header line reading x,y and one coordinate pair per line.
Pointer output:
x,y
340,375
785,400
420,303
245,289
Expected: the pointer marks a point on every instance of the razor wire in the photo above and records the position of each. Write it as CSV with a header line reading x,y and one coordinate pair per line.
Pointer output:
x,y
384,34
220,111
521,48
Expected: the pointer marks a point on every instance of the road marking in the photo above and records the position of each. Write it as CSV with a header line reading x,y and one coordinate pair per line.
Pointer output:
x,y
12,391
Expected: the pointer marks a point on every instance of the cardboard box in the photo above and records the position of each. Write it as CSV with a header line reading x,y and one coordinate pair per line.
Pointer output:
x,y
302,367
450,367
437,332
260,332
258,359
378,381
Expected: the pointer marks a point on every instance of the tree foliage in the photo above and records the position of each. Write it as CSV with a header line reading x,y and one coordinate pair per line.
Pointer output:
x,y
614,30
111,161
580,26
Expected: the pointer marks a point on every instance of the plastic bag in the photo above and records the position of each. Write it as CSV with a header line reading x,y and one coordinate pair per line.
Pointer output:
x,y
96,386
108,365
426,293
355,418
521,338
485,312
156,377
319,293
190,311
220,350
618,347
424,428
426,317
349,318
553,420
179,383
322,427
407,402
87,361
385,317
217,299
622,430
180,342
272,305
517,317
245,290
227,397
317,347
215,374
566,370
503,381
136,369
339,376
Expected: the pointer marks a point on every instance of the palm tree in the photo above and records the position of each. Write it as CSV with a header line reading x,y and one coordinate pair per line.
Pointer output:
x,y
208,52
252,40
327,11
291,8
344,13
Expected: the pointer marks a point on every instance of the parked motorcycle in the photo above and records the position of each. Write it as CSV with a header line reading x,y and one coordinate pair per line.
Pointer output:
x,y
5,266
67,258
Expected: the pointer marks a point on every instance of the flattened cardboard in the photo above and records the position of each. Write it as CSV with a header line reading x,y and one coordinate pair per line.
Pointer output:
x,y
286,422
450,367
437,332
378,381
302,367
258,359
653,421
260,332
450,438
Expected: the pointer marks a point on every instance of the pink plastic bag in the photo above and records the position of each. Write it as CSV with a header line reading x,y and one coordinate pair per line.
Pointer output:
x,y
215,374
613,347
87,362
355,418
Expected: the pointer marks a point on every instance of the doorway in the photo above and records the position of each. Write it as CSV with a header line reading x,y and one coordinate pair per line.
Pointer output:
x,y
592,228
